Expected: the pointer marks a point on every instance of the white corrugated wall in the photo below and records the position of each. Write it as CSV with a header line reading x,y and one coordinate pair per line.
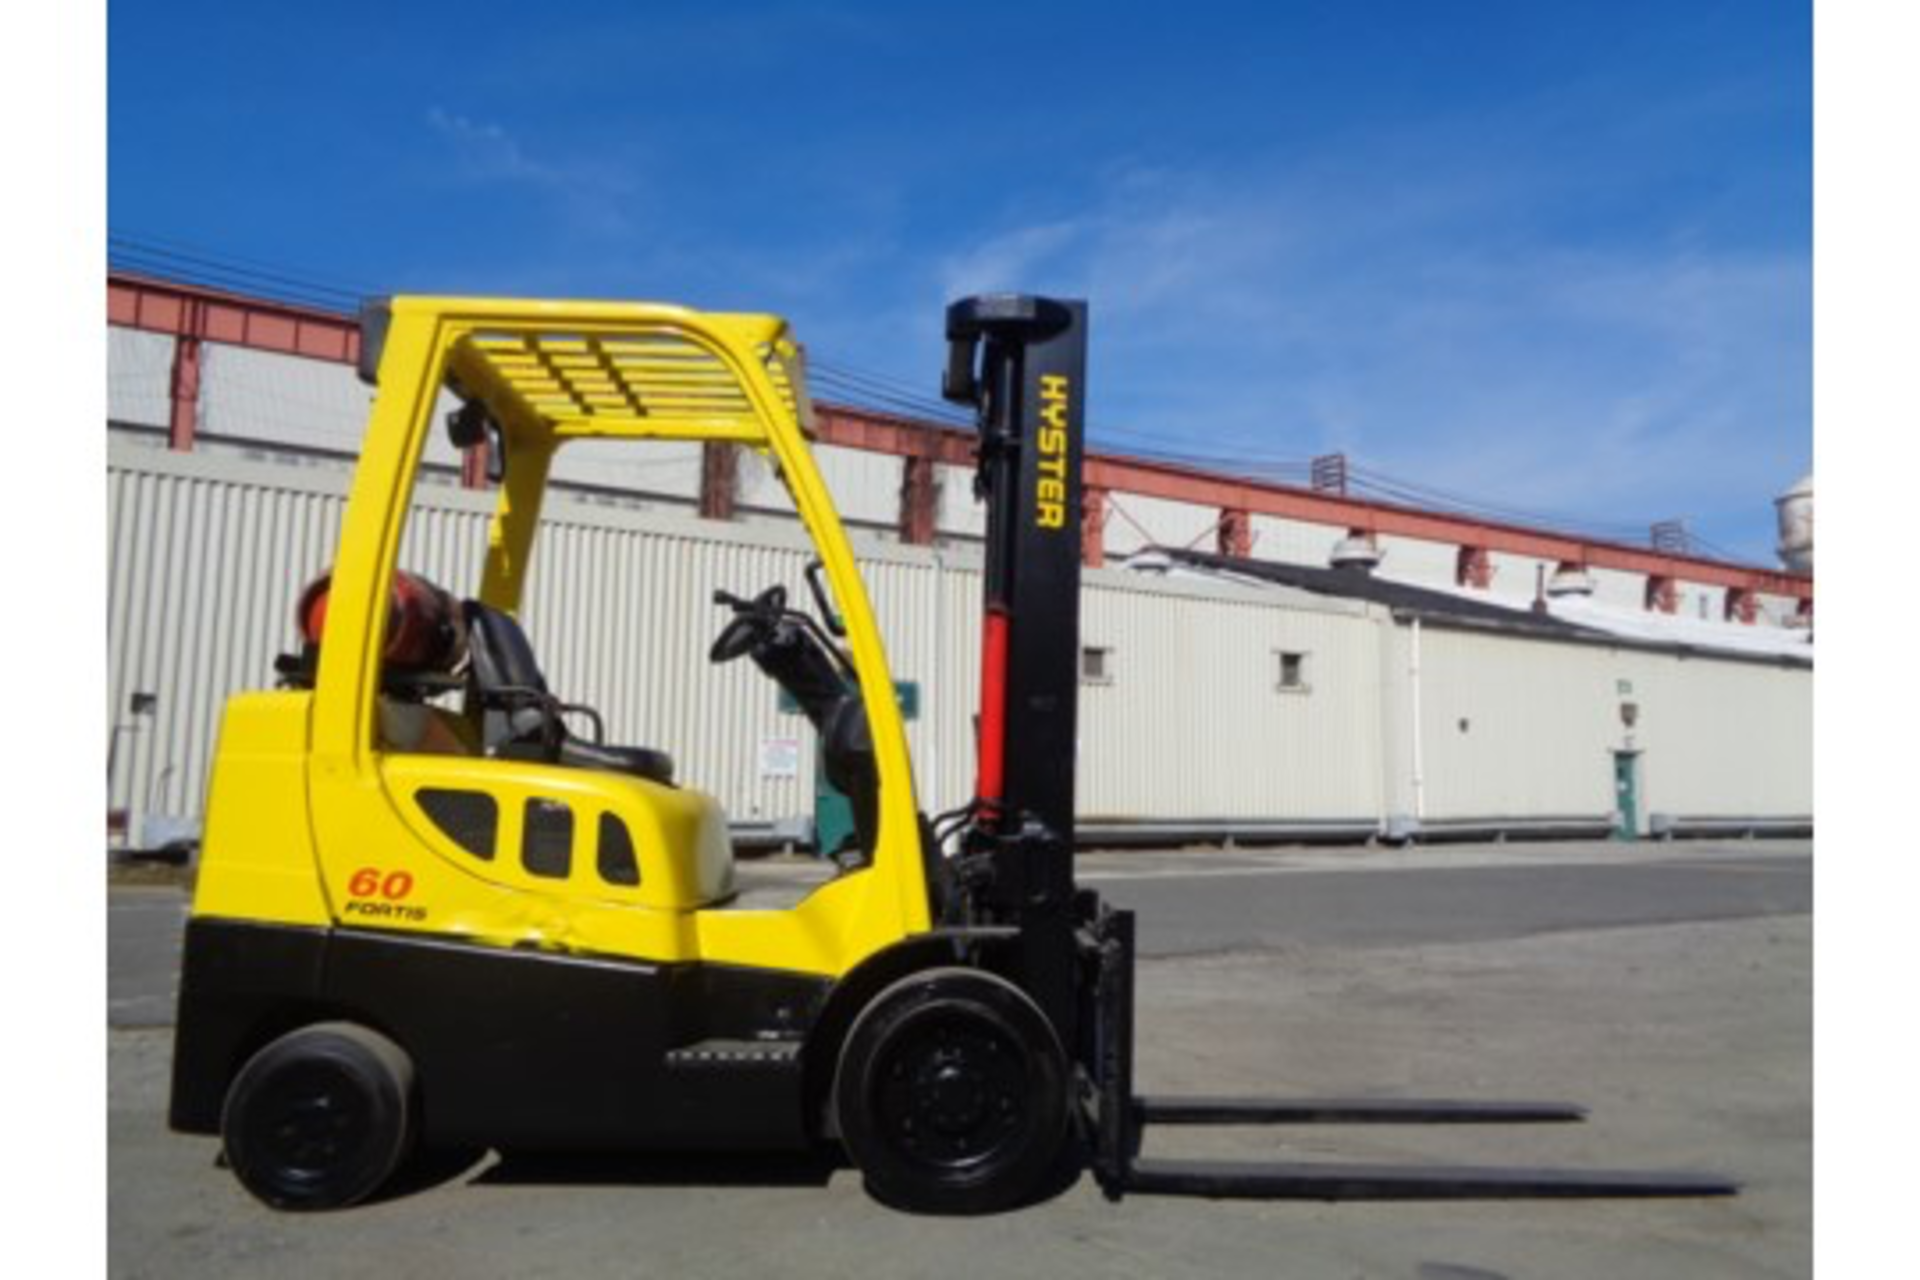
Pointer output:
x,y
208,555
1518,728
1192,723
1721,739
1514,727
202,577
139,377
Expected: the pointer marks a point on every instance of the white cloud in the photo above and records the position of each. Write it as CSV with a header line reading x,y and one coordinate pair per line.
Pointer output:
x,y
1305,312
595,194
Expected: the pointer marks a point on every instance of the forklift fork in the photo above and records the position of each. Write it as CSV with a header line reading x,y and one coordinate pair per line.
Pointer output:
x,y
1121,1118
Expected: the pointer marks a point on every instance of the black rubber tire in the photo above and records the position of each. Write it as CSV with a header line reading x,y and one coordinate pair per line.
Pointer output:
x,y
951,1094
319,1118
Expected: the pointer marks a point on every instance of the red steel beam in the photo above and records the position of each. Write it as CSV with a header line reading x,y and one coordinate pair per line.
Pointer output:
x,y
885,433
1233,536
1178,484
163,306
719,479
1093,527
850,428
183,394
919,502
1473,567
189,311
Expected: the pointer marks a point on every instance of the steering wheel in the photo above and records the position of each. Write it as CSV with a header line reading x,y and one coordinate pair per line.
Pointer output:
x,y
753,621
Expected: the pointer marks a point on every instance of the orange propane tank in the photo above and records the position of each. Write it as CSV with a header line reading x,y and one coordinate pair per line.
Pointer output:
x,y
424,631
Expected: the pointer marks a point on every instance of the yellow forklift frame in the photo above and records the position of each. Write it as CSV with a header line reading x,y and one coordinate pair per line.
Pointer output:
x,y
547,374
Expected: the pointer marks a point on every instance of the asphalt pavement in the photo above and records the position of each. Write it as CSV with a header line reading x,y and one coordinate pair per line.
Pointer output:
x,y
1204,901
1668,988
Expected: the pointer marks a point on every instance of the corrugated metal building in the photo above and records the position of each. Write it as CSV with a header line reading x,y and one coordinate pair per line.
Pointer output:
x,y
1210,697
1192,720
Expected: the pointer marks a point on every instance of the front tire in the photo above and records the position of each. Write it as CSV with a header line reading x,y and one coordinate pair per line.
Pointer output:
x,y
319,1118
951,1094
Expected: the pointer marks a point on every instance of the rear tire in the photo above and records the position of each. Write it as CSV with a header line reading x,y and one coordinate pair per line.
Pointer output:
x,y
319,1118
951,1094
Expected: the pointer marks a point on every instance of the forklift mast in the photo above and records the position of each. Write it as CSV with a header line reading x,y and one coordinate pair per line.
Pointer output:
x,y
1020,361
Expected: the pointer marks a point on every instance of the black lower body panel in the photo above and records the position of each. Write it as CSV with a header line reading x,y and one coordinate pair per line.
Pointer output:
x,y
517,1049
240,985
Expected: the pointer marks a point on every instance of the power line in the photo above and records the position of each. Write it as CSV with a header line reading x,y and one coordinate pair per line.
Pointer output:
x,y
128,253
1431,493
1698,544
883,385
1427,495
860,389
303,276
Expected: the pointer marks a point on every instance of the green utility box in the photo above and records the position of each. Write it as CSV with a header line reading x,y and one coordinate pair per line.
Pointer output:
x,y
832,811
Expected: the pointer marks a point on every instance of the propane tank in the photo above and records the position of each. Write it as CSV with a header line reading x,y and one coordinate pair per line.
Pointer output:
x,y
424,629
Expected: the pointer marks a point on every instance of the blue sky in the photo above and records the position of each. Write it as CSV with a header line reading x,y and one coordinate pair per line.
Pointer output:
x,y
1557,256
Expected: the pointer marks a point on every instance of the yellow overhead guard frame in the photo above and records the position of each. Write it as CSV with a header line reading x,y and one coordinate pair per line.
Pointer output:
x,y
547,373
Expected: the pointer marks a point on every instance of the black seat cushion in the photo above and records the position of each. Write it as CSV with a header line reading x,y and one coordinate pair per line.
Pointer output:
x,y
518,713
642,762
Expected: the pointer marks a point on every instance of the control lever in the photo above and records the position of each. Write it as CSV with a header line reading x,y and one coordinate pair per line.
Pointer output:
x,y
828,614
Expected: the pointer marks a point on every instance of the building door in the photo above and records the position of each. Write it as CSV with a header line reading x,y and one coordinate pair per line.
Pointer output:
x,y
1626,797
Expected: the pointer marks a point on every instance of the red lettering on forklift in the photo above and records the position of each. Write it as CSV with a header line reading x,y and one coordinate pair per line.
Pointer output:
x,y
368,881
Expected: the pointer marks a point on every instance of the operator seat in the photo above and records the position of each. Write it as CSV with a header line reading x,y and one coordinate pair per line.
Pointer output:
x,y
521,720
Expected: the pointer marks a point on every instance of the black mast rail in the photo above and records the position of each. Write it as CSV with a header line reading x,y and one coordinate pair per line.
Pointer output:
x,y
1021,362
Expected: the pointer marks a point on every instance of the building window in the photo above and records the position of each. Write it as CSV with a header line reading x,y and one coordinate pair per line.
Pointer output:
x,y
1096,665
1293,672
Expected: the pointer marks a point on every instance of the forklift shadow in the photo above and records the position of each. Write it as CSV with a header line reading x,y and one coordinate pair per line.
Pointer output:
x,y
694,1169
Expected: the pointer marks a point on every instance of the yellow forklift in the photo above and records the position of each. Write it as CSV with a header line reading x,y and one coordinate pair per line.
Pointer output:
x,y
436,909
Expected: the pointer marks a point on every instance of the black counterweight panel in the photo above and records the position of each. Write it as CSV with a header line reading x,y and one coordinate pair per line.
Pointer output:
x,y
240,984
512,1048
531,1049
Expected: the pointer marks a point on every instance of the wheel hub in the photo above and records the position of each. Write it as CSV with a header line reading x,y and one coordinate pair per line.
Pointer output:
x,y
953,1094
316,1122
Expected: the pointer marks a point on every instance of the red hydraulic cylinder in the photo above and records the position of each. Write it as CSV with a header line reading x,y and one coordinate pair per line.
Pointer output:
x,y
991,785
